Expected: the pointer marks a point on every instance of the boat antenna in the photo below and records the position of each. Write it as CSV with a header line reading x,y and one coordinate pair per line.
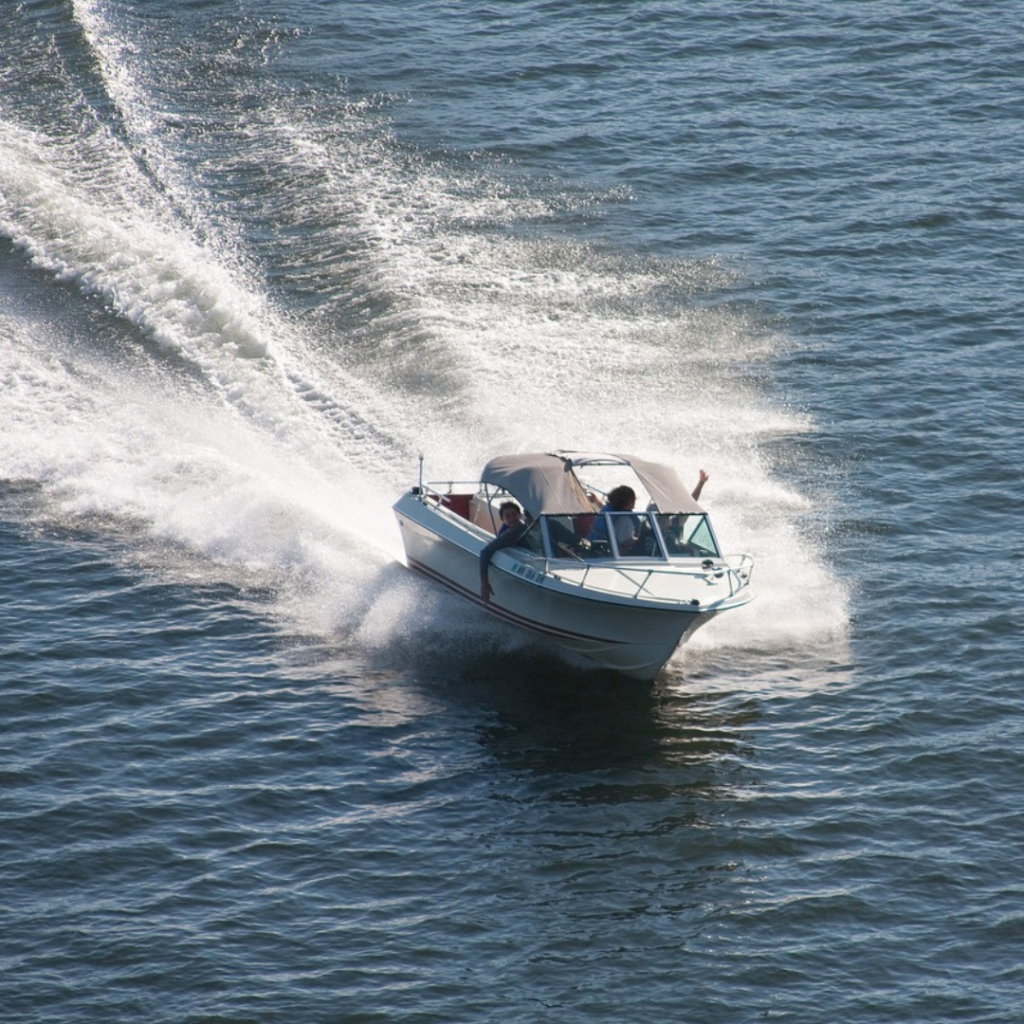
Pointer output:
x,y
421,475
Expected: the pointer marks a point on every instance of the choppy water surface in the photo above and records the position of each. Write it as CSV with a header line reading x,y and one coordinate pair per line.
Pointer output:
x,y
254,258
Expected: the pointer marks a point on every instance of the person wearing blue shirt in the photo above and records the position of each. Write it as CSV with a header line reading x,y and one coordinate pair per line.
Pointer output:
x,y
513,526
621,499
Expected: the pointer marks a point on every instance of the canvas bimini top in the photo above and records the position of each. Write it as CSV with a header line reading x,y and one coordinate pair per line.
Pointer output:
x,y
546,482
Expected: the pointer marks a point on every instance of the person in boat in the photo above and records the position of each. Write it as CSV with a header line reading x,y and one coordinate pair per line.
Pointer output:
x,y
511,515
513,526
621,499
672,526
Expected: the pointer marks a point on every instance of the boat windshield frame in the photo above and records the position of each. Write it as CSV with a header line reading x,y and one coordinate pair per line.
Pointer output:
x,y
659,536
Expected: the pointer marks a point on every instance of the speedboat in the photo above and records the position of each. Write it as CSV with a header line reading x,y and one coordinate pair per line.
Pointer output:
x,y
607,593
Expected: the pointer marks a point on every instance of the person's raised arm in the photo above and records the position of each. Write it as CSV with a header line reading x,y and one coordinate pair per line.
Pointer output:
x,y
700,486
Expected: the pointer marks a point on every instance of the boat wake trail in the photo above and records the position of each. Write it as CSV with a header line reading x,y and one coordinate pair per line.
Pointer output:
x,y
242,310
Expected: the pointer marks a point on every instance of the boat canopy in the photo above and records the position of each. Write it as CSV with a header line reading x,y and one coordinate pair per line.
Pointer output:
x,y
546,483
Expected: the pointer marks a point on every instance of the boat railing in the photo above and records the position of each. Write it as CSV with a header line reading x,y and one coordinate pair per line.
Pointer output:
x,y
445,495
736,569
439,490
477,504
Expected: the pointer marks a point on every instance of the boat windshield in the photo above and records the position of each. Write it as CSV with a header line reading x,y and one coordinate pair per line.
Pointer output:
x,y
629,535
688,535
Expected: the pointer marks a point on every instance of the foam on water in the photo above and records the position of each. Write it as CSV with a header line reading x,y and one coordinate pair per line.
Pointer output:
x,y
455,323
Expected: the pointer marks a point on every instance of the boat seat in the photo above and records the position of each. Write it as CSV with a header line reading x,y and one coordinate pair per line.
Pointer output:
x,y
481,514
457,503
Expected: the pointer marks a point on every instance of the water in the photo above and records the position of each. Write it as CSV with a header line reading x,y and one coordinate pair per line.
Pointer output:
x,y
254,258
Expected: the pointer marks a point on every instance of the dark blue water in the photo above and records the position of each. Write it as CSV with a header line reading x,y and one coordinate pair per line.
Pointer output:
x,y
255,258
